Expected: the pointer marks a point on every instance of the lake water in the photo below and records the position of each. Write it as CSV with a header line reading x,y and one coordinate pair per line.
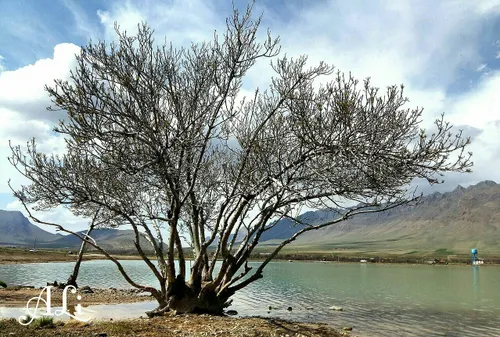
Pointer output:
x,y
378,299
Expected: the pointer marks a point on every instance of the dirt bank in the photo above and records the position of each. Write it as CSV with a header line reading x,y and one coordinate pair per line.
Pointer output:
x,y
178,326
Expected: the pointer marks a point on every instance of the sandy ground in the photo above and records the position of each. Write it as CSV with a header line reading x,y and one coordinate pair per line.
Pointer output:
x,y
179,326
18,296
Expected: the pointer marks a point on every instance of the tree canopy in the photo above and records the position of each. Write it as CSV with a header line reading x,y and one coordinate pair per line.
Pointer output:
x,y
159,138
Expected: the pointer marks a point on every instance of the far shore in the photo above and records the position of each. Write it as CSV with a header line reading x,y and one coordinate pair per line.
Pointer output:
x,y
19,255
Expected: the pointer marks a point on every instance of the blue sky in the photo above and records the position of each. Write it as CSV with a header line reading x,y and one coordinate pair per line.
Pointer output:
x,y
447,53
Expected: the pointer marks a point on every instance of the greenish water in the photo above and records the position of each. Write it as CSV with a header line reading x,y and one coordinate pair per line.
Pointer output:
x,y
378,299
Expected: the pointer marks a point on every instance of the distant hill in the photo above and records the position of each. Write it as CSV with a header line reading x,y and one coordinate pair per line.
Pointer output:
x,y
16,229
107,238
451,222
285,228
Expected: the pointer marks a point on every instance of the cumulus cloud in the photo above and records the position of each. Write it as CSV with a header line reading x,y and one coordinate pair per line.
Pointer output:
x,y
19,130
22,90
23,103
478,107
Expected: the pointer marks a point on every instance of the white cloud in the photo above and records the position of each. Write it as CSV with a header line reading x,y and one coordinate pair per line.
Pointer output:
x,y
18,131
479,107
481,67
391,42
2,67
487,6
398,43
23,103
83,23
22,90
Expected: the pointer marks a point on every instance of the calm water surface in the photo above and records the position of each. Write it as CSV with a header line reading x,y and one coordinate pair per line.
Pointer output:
x,y
378,299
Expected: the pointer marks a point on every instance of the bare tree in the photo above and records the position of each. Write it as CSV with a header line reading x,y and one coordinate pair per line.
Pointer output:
x,y
158,139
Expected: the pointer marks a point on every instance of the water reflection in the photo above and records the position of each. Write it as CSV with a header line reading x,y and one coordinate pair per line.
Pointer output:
x,y
475,277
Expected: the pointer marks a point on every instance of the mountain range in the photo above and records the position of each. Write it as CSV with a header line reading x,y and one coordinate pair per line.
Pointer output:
x,y
17,230
452,222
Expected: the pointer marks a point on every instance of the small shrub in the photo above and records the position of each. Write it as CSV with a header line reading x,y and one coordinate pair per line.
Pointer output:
x,y
26,319
3,284
43,322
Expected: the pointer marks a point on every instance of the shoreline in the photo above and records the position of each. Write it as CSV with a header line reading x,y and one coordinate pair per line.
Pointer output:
x,y
17,296
12,256
21,256
187,325
496,262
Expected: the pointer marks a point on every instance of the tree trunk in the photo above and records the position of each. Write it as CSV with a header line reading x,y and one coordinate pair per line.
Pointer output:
x,y
72,278
182,298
